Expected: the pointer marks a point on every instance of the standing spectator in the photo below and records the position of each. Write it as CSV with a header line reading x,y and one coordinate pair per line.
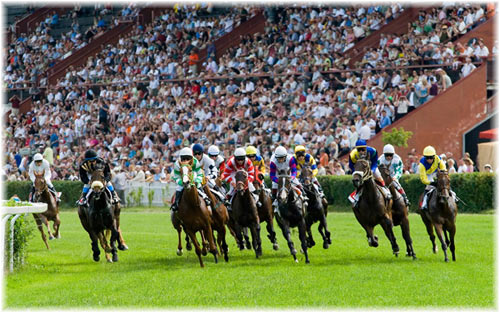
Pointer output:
x,y
384,120
467,68
119,182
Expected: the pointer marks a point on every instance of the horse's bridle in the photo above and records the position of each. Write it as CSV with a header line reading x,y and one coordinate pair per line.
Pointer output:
x,y
38,193
241,185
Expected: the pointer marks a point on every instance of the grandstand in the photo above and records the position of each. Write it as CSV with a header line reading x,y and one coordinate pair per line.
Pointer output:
x,y
137,82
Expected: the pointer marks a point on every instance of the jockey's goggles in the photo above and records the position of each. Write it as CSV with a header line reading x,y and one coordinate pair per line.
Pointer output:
x,y
251,155
429,157
240,158
388,155
197,153
281,159
186,158
300,154
361,149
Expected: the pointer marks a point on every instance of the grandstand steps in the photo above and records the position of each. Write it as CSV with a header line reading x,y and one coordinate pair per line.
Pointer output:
x,y
484,31
443,121
15,11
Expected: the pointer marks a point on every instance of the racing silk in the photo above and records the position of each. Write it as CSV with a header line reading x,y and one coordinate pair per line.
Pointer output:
x,y
196,171
289,166
86,169
208,166
372,157
44,168
395,165
429,171
232,167
259,165
309,160
220,164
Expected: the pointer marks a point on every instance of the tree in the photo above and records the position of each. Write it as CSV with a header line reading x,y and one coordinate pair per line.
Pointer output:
x,y
397,138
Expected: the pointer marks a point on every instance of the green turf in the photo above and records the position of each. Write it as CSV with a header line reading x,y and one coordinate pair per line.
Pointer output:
x,y
348,274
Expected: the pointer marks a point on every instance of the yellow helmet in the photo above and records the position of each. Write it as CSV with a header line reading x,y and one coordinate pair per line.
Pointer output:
x,y
300,148
251,150
429,151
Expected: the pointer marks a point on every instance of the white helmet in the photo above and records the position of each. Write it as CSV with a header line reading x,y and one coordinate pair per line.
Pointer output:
x,y
280,152
388,149
186,152
38,157
213,150
240,152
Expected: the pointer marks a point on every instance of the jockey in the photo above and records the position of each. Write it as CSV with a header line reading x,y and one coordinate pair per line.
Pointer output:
x,y
237,162
362,151
302,158
395,166
186,157
209,169
281,161
40,165
86,168
214,154
428,167
258,163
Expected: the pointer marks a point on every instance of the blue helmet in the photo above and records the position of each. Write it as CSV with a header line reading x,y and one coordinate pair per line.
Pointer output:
x,y
360,143
197,148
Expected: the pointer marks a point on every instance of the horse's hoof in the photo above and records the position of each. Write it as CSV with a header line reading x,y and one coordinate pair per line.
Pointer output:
x,y
58,236
301,251
110,261
96,258
226,258
325,245
115,257
296,261
248,246
275,246
188,246
179,252
204,253
446,260
414,257
51,238
435,250
122,247
294,252
307,262
329,241
396,254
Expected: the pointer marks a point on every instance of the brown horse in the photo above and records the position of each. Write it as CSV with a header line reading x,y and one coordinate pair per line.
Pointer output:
x,y
42,194
316,209
194,215
98,220
266,213
220,218
441,213
372,208
244,213
98,174
399,210
291,214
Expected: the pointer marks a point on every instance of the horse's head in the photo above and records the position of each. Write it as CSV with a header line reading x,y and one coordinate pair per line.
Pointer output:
x,y
241,178
443,184
362,172
187,176
386,174
97,188
283,188
97,173
40,184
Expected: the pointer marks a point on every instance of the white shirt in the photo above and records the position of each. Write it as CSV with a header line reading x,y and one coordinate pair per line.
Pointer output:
x,y
44,168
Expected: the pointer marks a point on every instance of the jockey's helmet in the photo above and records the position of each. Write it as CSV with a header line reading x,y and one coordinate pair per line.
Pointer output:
x,y
37,157
186,154
213,150
280,152
251,151
388,149
197,149
429,151
239,154
300,148
90,155
361,143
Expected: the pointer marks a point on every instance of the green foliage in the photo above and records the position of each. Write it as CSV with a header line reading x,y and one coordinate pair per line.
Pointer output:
x,y
130,198
138,196
150,276
23,231
397,138
151,194
13,203
71,191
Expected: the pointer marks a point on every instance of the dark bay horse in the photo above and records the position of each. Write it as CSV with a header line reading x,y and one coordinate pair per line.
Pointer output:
x,y
244,213
316,209
98,220
441,213
399,210
220,217
372,208
291,214
194,216
266,213
42,194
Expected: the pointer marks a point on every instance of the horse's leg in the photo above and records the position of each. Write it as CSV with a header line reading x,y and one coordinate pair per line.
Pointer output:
x,y
239,236
197,248
309,236
121,242
188,243
255,230
323,230
439,232
405,230
372,240
204,244
104,244
39,224
46,222
272,233
445,231
286,233
430,231
211,241
302,237
452,230
247,239
221,240
95,246
57,224
387,226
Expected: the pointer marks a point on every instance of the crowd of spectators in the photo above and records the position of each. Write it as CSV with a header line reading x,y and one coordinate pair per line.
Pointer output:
x,y
138,121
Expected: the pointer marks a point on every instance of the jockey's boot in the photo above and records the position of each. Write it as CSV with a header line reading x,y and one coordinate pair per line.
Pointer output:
x,y
175,206
405,198
274,193
55,193
32,194
255,195
354,198
115,198
83,200
381,183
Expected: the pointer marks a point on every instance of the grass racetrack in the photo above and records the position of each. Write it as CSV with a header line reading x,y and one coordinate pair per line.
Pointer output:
x,y
347,275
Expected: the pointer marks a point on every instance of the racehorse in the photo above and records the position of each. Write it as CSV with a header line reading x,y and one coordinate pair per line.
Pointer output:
x,y
98,220
316,209
244,213
42,194
441,213
399,210
372,208
266,213
220,218
194,215
291,214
